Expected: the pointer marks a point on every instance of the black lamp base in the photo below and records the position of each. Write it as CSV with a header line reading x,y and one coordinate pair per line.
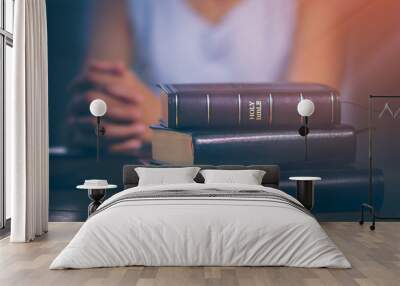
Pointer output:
x,y
100,131
304,130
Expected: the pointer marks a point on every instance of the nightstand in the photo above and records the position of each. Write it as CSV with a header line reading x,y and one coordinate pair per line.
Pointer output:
x,y
96,192
305,190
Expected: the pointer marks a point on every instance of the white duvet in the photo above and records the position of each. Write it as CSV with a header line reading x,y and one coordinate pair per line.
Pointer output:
x,y
200,231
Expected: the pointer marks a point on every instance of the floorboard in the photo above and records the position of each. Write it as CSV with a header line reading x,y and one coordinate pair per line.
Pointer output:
x,y
375,257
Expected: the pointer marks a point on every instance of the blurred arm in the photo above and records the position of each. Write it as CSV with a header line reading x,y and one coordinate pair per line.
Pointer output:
x,y
110,36
110,39
319,42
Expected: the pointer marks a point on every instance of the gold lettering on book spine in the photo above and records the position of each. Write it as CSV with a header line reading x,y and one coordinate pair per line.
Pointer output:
x,y
270,110
332,97
208,109
176,111
239,109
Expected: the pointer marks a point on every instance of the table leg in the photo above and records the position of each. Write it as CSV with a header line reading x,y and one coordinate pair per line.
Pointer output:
x,y
97,197
305,193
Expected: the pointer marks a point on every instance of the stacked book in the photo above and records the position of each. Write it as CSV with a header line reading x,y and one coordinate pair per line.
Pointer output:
x,y
249,124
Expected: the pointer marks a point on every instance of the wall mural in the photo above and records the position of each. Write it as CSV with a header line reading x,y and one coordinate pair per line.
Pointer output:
x,y
120,50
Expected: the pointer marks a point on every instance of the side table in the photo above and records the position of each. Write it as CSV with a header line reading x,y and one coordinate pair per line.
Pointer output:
x,y
305,190
96,192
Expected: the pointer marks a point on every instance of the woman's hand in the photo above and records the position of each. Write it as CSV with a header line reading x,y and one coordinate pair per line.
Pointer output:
x,y
128,101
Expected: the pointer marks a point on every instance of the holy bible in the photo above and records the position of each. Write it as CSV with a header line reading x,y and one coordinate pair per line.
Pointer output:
x,y
260,106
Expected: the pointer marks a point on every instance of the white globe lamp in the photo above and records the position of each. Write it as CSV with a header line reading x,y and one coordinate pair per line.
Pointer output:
x,y
98,108
305,108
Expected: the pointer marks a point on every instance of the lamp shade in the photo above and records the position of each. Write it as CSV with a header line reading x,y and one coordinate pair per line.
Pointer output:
x,y
305,107
98,107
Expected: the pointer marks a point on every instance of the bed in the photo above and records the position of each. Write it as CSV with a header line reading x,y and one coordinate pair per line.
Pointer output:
x,y
197,224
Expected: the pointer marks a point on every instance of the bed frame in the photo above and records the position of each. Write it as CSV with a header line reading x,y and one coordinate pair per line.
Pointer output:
x,y
271,178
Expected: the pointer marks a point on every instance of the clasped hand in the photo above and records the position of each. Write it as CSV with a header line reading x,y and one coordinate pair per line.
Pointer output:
x,y
122,90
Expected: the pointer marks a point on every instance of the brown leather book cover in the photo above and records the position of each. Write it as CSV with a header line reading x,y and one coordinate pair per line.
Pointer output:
x,y
246,106
253,147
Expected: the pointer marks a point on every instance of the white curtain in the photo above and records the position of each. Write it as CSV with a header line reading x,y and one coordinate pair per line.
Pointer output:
x,y
27,124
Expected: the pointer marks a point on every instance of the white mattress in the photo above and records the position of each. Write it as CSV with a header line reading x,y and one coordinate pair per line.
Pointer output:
x,y
200,231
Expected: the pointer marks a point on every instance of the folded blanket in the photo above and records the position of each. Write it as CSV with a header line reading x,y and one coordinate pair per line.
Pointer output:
x,y
205,193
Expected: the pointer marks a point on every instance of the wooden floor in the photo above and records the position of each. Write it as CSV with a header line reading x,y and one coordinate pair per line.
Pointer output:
x,y
375,257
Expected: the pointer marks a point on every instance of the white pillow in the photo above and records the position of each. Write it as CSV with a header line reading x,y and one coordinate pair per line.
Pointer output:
x,y
248,177
165,176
